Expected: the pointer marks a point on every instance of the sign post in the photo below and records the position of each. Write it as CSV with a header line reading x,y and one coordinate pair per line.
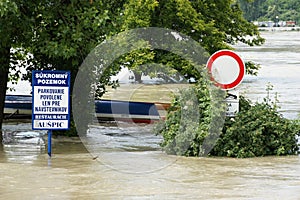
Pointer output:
x,y
227,71
50,102
49,142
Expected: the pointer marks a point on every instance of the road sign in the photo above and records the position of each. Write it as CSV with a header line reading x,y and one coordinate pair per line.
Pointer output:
x,y
226,68
232,101
50,102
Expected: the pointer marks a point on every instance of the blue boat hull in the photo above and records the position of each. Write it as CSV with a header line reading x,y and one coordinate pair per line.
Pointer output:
x,y
20,106
138,112
17,106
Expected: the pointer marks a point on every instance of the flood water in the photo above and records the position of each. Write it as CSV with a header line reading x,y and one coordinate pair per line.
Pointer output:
x,y
280,67
126,162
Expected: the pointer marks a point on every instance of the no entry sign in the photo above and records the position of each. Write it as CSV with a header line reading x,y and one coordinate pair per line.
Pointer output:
x,y
226,68
50,103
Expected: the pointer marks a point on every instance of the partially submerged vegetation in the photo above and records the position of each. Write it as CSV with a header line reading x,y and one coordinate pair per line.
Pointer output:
x,y
257,130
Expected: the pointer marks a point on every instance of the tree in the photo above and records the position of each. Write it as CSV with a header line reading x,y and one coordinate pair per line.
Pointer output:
x,y
14,32
201,20
268,10
58,34
66,31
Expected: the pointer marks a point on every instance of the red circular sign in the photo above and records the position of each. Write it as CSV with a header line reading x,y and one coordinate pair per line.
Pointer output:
x,y
226,69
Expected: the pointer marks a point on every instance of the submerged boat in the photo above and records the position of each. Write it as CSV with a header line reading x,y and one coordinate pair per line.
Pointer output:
x,y
20,107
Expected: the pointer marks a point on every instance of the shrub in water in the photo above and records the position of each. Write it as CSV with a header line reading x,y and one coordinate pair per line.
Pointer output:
x,y
257,130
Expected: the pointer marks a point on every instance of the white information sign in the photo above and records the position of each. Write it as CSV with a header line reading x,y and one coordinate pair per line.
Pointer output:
x,y
51,106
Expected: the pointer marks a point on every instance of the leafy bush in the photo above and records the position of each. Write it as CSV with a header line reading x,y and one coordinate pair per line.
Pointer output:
x,y
192,118
257,130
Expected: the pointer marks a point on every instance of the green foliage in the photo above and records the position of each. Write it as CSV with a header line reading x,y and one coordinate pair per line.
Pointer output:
x,y
192,118
8,8
252,68
257,130
66,32
268,10
201,20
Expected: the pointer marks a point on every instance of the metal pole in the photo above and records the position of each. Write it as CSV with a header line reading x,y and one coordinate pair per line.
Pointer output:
x,y
49,142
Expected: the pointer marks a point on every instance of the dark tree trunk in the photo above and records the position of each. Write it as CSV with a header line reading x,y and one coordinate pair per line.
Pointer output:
x,y
4,68
137,76
1,143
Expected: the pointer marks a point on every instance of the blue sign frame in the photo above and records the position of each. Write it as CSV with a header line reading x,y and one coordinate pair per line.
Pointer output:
x,y
51,100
